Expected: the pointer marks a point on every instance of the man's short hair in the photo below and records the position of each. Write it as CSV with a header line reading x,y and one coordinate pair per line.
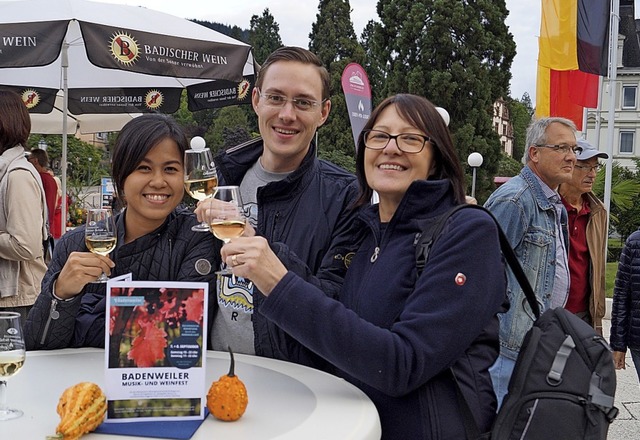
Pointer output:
x,y
537,132
292,53
40,156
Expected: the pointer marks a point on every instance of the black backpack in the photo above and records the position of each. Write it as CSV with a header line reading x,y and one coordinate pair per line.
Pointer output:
x,y
564,380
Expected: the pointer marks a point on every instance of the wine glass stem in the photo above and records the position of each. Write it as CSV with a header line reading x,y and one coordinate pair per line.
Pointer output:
x,y
3,396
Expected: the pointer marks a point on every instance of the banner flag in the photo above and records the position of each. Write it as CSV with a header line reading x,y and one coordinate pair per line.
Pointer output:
x,y
357,93
573,51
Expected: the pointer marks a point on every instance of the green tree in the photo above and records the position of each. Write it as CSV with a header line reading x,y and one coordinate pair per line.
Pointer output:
x,y
264,35
520,114
457,54
333,39
625,197
229,118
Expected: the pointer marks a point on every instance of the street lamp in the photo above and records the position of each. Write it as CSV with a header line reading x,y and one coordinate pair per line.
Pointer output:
x,y
89,170
42,144
474,160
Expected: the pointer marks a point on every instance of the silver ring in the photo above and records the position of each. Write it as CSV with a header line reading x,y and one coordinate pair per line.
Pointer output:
x,y
234,260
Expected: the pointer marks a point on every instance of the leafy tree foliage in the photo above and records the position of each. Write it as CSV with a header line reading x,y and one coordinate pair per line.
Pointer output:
x,y
231,119
333,39
457,54
264,35
521,114
625,197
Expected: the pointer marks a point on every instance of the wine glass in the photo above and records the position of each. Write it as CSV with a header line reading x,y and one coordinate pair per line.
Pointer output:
x,y
100,234
200,176
12,354
225,216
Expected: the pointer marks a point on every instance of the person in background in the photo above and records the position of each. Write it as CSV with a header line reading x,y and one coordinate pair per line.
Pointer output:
x,y
23,211
56,221
40,160
587,238
532,216
625,311
300,203
398,336
155,241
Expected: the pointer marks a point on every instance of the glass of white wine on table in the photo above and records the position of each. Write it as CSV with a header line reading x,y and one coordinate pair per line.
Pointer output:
x,y
12,355
225,216
200,176
100,234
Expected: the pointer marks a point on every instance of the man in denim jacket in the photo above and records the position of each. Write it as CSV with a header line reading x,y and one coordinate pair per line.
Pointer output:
x,y
534,220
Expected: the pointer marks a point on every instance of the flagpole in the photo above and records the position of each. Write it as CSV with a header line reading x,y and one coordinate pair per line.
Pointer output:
x,y
613,73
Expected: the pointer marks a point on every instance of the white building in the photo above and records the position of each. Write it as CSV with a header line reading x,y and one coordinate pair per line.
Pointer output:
x,y
626,141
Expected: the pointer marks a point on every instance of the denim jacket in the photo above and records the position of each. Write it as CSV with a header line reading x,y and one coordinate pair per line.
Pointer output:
x,y
528,220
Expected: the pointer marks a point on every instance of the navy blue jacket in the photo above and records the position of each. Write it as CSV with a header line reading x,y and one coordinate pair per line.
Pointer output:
x,y
173,252
309,224
394,335
625,313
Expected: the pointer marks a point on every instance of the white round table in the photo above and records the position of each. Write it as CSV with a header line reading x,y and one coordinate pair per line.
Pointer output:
x,y
286,401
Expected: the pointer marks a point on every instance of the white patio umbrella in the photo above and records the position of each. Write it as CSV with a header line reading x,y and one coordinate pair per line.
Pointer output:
x,y
87,123
111,59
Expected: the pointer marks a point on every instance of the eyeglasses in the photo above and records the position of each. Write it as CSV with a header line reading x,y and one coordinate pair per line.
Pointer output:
x,y
562,148
279,101
587,168
407,142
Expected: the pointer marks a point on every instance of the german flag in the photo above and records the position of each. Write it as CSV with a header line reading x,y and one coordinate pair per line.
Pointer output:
x,y
573,52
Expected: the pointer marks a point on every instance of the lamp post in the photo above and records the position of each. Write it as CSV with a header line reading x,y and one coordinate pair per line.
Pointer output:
x,y
474,160
42,144
89,171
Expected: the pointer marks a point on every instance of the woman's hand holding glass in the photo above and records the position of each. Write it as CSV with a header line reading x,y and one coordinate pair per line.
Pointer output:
x,y
252,258
100,234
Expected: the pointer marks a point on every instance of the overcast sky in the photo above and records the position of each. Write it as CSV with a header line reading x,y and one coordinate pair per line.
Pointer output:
x,y
295,19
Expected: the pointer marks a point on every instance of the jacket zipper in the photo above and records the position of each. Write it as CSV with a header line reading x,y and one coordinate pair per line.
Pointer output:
x,y
53,314
275,223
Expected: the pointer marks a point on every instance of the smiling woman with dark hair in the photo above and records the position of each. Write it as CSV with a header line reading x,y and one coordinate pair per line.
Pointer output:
x,y
397,335
155,241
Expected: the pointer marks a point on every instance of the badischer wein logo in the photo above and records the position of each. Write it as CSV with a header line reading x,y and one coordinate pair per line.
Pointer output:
x,y
153,99
31,98
243,89
124,48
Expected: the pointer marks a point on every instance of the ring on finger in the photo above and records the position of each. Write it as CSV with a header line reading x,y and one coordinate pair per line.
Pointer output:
x,y
234,260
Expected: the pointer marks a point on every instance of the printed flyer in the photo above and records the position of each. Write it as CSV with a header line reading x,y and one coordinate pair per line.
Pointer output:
x,y
154,350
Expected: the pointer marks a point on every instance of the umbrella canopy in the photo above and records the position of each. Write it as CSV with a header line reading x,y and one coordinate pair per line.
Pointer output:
x,y
113,59
51,123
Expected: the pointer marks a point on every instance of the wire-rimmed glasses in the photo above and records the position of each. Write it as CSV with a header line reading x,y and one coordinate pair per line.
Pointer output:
x,y
561,148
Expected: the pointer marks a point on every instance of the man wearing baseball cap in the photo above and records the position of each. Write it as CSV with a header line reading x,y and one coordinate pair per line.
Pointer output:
x,y
587,238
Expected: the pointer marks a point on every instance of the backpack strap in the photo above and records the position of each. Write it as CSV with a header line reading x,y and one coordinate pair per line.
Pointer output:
x,y
432,231
423,242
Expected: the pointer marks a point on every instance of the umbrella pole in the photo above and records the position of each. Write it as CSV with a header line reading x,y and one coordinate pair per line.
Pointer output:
x,y
65,102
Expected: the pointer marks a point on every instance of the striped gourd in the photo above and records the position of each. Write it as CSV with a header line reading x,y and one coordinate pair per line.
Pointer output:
x,y
82,408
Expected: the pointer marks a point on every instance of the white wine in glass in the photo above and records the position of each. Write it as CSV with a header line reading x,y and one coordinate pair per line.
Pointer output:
x,y
200,176
12,356
100,234
226,217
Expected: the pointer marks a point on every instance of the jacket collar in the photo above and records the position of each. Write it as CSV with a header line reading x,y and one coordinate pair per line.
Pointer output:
x,y
536,189
234,162
424,199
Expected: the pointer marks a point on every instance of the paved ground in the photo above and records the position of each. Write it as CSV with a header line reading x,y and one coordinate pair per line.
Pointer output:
x,y
627,424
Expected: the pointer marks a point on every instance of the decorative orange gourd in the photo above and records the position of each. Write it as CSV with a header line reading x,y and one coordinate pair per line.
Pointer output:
x,y
82,408
227,398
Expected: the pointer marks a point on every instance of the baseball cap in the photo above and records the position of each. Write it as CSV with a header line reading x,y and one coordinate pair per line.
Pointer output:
x,y
589,151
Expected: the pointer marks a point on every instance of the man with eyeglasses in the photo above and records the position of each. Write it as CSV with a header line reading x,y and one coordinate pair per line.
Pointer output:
x,y
587,238
529,209
300,203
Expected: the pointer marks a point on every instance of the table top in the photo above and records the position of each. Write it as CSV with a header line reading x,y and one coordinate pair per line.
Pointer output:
x,y
286,401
